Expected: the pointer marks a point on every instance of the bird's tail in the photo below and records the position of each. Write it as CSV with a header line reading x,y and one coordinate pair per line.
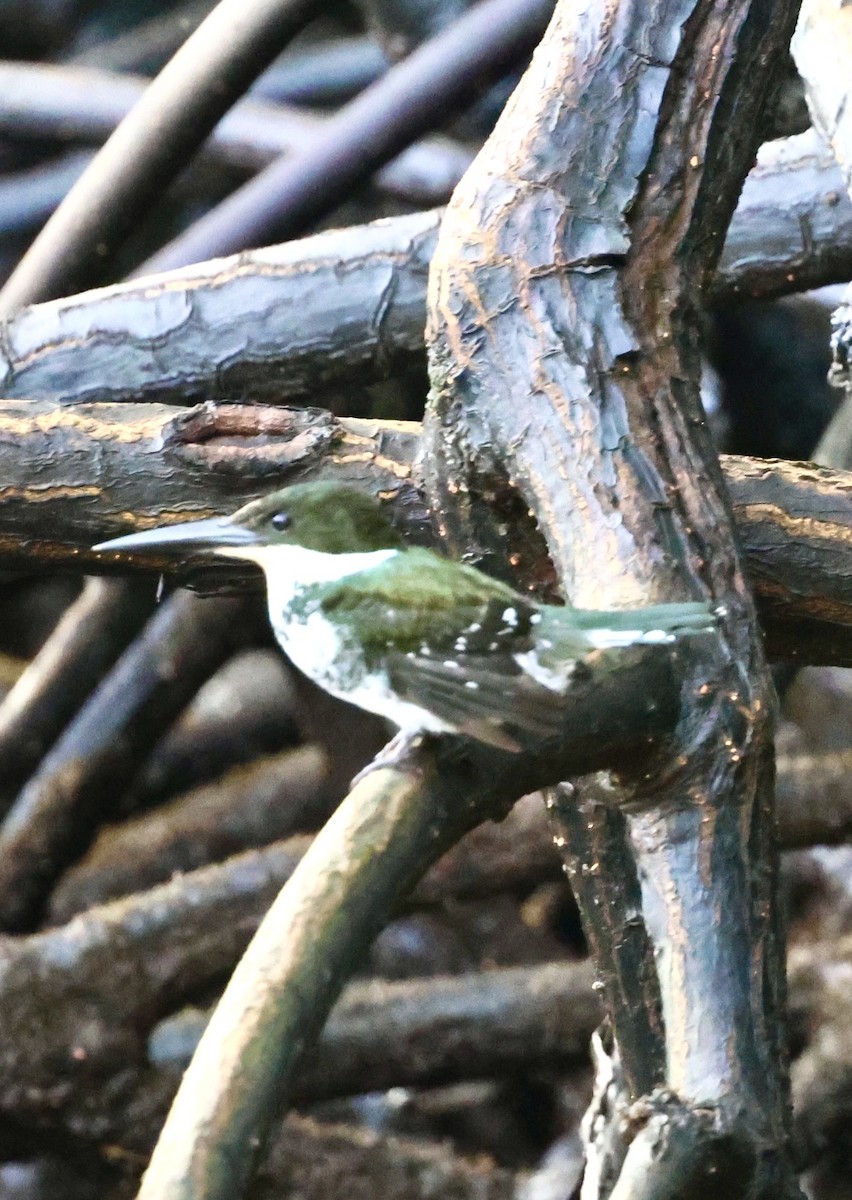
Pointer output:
x,y
657,624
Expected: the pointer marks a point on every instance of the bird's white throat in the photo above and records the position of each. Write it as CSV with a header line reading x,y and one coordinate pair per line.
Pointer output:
x,y
289,568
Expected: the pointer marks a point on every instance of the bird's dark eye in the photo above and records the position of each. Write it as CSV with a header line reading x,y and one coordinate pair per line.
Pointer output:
x,y
282,521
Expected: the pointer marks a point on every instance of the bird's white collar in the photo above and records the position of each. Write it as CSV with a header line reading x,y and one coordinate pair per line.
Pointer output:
x,y
287,568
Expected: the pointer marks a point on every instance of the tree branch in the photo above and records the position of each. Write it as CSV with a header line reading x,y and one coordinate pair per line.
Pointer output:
x,y
212,69
57,810
110,469
87,104
82,647
413,98
380,841
792,229
431,1031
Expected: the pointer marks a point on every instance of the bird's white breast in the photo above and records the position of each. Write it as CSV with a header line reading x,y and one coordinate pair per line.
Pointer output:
x,y
318,646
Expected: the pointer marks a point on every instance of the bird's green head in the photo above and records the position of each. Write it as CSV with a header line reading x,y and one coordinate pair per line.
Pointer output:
x,y
329,517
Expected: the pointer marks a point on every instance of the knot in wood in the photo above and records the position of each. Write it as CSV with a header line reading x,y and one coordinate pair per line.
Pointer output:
x,y
249,440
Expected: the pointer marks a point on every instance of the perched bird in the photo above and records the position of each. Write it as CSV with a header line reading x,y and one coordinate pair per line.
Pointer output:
x,y
430,644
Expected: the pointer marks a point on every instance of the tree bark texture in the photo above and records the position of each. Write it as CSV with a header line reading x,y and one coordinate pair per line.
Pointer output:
x,y
564,361
792,225
288,321
281,322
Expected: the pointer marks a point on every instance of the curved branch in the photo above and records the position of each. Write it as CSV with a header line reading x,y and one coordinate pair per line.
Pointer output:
x,y
384,836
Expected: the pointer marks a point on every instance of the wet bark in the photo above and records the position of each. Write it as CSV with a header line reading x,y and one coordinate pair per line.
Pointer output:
x,y
792,526
563,329
262,325
103,463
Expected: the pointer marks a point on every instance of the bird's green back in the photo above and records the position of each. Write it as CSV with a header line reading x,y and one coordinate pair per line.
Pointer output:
x,y
418,598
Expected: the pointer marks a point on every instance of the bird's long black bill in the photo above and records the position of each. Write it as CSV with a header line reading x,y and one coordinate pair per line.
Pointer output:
x,y
188,535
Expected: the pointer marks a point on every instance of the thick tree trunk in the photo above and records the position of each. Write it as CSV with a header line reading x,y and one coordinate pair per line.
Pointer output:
x,y
564,362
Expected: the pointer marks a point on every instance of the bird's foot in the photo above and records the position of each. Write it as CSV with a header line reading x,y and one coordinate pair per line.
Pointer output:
x,y
397,750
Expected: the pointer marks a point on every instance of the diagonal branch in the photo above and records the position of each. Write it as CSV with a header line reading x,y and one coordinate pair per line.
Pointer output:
x,y
212,69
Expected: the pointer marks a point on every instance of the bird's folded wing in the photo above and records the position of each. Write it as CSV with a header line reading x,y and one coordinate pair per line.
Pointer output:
x,y
488,697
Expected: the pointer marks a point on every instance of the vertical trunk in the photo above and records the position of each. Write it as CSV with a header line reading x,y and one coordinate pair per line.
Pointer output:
x,y
564,358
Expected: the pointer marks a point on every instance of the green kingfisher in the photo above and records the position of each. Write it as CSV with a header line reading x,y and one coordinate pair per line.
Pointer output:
x,y
432,645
